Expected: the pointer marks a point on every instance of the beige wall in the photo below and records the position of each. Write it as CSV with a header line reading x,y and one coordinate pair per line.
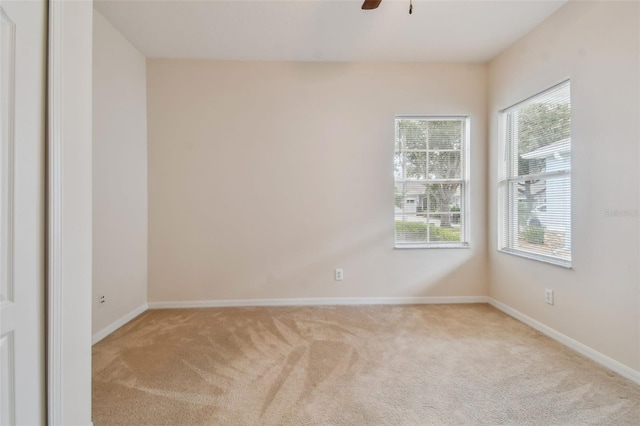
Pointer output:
x,y
596,44
119,175
265,177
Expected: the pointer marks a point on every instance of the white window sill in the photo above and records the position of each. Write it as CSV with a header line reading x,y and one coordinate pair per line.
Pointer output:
x,y
540,258
432,246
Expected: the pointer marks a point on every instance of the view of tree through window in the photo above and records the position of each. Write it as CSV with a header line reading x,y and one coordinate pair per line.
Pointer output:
x,y
535,182
430,180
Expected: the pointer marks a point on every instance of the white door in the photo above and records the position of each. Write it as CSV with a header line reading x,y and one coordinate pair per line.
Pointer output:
x,y
22,127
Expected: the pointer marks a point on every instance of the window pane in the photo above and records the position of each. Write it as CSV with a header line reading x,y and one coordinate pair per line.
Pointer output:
x,y
445,165
443,197
415,165
411,134
445,229
410,231
409,198
446,134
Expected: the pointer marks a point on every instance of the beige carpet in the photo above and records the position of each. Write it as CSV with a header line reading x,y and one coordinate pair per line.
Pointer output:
x,y
364,365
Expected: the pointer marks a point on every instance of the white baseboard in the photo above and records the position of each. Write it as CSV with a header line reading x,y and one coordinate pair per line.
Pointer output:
x,y
320,301
592,354
118,323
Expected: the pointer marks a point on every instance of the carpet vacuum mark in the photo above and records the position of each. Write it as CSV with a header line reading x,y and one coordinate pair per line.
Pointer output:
x,y
349,365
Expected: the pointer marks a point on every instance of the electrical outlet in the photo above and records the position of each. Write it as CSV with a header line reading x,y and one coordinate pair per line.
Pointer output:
x,y
102,300
548,296
339,274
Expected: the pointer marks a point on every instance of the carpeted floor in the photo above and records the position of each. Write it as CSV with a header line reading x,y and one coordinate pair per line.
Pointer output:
x,y
349,365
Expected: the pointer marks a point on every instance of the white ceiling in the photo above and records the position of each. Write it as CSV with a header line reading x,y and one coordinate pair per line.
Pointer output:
x,y
307,30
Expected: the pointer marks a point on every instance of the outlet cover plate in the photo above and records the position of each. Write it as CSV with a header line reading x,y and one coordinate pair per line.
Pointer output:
x,y
548,296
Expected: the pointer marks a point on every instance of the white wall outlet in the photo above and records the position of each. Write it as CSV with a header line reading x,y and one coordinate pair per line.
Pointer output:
x,y
339,274
548,296
102,300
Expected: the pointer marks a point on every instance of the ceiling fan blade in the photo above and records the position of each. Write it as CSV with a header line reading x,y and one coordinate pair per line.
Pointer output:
x,y
370,4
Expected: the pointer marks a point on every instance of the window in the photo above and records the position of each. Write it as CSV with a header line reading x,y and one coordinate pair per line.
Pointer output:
x,y
535,177
431,181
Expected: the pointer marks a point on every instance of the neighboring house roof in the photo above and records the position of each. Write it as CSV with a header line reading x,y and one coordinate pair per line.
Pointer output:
x,y
560,147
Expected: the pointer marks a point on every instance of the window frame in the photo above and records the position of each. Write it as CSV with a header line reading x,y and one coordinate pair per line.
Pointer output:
x,y
507,202
464,180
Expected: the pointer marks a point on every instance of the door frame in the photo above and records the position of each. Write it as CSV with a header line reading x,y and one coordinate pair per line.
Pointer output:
x,y
68,216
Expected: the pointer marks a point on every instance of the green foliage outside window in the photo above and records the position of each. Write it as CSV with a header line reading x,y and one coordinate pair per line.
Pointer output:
x,y
417,231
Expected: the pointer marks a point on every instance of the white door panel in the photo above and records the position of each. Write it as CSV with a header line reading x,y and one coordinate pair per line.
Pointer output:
x,y
7,403
22,89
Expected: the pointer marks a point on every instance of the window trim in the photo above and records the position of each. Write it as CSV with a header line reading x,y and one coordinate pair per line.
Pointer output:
x,y
539,257
505,177
465,179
